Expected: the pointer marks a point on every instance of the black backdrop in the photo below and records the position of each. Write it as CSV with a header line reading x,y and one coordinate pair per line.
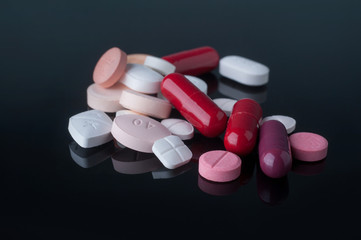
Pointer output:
x,y
48,51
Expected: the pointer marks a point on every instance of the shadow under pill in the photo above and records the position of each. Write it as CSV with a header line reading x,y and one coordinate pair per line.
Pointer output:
x,y
308,168
218,188
211,80
165,173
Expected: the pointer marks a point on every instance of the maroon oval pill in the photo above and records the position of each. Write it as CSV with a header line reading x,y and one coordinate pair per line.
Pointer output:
x,y
273,149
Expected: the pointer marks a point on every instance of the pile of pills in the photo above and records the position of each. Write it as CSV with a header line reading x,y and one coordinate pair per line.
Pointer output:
x,y
142,90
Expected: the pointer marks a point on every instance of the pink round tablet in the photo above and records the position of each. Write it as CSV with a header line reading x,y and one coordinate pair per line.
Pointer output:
x,y
110,67
309,147
219,166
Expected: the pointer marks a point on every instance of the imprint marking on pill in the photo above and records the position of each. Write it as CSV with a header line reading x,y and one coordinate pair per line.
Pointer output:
x,y
218,160
137,122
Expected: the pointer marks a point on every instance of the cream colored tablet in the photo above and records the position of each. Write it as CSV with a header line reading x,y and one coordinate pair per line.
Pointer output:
x,y
137,58
125,112
160,65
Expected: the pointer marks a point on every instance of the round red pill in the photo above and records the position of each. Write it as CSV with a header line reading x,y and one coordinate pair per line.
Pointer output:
x,y
194,105
242,128
194,61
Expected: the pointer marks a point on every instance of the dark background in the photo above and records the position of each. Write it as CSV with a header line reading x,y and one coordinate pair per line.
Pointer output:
x,y
48,52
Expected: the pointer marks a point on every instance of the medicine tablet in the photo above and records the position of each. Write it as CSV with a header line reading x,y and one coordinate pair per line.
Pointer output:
x,y
243,70
288,122
172,152
145,104
105,99
125,112
137,58
308,147
110,67
138,132
199,83
160,65
141,79
90,128
181,128
226,104
219,166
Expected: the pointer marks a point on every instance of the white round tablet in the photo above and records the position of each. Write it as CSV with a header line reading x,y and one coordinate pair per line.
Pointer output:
x,y
199,83
181,128
160,65
226,104
288,122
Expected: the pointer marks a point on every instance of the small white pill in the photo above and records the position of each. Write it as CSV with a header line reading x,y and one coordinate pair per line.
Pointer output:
x,y
141,79
226,104
90,128
199,83
160,65
172,152
288,122
179,127
243,70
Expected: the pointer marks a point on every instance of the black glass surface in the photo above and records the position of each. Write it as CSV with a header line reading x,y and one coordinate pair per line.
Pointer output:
x,y
53,189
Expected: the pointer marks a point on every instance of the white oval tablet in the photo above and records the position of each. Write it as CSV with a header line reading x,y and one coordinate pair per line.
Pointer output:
x,y
288,122
141,78
243,70
226,104
125,112
179,127
172,152
199,83
90,128
160,65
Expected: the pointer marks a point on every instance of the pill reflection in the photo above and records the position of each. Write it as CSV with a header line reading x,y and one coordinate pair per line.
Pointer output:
x,y
90,157
247,170
201,144
217,188
271,191
308,168
236,90
165,173
128,161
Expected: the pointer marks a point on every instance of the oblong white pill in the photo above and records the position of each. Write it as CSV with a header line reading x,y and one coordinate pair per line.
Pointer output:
x,y
243,70
141,78
288,122
226,104
90,128
160,65
179,127
199,83
172,152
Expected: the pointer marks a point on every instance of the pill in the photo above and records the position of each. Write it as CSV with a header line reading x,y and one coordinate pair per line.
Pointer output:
x,y
137,58
165,173
128,161
145,104
243,70
90,128
217,188
288,122
308,147
125,112
110,67
179,127
90,157
242,128
172,152
160,65
273,149
194,61
138,132
105,99
141,79
199,83
219,166
226,104
195,106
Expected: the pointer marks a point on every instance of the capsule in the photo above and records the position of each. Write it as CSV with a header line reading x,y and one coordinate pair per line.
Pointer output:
x,y
194,61
195,106
274,149
242,128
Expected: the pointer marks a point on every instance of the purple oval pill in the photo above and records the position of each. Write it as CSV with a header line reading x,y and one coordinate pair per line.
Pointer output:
x,y
274,149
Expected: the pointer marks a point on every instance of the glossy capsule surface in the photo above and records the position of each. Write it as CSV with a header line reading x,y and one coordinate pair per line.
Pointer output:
x,y
195,61
242,128
195,106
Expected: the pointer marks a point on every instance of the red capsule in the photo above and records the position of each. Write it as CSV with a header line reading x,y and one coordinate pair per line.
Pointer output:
x,y
194,61
242,128
194,105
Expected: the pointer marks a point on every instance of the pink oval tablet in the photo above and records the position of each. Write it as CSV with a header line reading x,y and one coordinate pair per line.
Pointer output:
x,y
110,67
309,147
138,132
219,166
